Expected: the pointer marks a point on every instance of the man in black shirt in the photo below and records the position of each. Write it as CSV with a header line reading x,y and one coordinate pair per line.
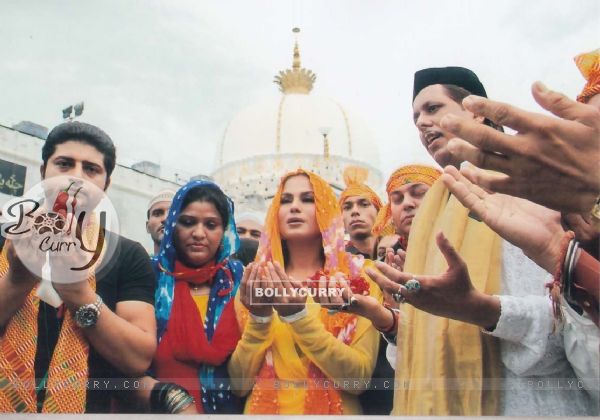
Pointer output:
x,y
116,319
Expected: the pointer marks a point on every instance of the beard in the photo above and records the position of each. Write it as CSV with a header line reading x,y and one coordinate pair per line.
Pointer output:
x,y
158,238
360,236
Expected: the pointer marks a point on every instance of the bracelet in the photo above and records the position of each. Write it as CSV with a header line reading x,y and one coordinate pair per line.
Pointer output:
x,y
556,286
261,319
157,396
294,317
177,400
169,398
569,267
392,332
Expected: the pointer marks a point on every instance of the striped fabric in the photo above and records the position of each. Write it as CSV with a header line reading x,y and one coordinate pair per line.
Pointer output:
x,y
68,371
589,66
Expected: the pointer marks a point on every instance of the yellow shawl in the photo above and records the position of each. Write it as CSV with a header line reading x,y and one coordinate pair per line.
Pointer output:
x,y
441,362
289,352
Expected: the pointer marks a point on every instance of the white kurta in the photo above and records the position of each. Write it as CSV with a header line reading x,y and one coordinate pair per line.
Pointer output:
x,y
539,380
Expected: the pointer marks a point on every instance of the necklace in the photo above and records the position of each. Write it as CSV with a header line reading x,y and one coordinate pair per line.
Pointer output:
x,y
198,290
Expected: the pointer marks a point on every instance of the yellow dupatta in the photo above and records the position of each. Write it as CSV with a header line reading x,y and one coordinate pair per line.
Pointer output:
x,y
441,363
283,358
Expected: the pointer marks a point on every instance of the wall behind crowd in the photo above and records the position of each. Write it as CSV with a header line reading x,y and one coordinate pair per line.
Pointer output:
x,y
129,190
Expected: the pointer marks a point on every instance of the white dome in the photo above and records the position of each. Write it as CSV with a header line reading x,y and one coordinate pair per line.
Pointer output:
x,y
284,133
293,123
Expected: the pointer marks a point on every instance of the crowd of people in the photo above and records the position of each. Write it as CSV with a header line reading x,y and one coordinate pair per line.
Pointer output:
x,y
472,288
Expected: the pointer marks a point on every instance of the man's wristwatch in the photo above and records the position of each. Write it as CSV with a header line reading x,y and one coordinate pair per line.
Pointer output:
x,y
87,315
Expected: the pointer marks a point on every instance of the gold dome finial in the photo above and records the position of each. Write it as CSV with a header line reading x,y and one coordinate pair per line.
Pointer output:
x,y
296,62
298,79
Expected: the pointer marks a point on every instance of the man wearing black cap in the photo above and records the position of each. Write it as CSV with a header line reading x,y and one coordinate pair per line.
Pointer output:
x,y
437,92
467,293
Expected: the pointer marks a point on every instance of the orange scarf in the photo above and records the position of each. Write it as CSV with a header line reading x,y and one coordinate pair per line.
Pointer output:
x,y
355,178
68,370
410,174
589,66
318,400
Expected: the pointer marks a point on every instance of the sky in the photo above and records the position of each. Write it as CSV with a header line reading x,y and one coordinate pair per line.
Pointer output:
x,y
163,78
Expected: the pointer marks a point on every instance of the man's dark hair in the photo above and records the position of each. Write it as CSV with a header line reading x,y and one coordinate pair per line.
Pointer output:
x,y
247,251
85,133
208,194
457,94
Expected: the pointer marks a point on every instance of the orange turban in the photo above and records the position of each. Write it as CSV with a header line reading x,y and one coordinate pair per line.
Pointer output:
x,y
354,177
329,220
589,66
411,174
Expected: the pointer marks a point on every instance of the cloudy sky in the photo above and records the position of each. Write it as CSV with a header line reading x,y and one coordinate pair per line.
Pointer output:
x,y
164,78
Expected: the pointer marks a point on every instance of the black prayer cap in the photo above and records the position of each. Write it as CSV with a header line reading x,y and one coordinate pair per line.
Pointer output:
x,y
458,76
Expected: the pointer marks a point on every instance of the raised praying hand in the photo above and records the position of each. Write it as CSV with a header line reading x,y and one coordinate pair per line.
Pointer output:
x,y
551,161
533,228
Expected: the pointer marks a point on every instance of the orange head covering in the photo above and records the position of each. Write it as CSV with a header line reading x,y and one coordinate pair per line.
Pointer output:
x,y
589,66
329,220
410,174
282,358
354,177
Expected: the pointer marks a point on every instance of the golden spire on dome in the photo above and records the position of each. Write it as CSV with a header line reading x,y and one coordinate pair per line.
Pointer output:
x,y
298,79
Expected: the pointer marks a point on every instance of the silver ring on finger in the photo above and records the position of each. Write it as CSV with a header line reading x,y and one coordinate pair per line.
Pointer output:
x,y
413,285
398,297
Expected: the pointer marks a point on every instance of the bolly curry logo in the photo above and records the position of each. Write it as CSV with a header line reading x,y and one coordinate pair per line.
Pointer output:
x,y
63,229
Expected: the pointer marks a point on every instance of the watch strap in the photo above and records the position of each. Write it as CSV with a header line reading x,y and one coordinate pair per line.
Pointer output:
x,y
97,306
